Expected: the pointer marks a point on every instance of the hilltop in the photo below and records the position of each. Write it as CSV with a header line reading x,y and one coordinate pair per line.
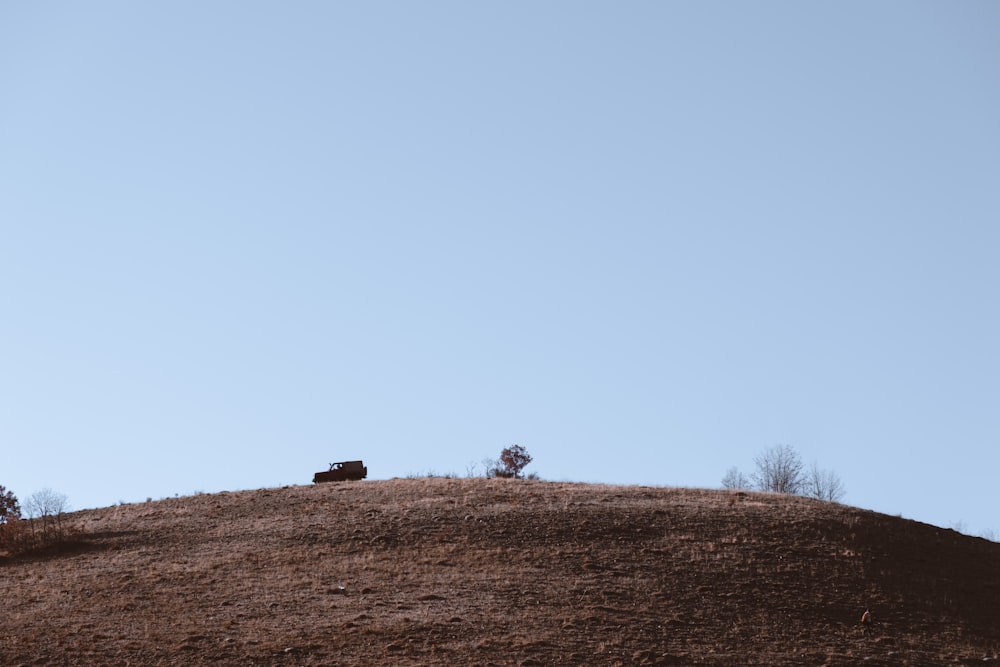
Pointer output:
x,y
501,572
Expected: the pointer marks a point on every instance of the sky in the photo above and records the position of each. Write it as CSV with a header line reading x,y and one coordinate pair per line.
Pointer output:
x,y
647,241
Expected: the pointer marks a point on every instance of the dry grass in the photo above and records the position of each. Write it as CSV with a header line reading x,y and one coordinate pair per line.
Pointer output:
x,y
502,572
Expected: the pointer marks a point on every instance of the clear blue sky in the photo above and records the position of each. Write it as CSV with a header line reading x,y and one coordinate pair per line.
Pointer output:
x,y
645,240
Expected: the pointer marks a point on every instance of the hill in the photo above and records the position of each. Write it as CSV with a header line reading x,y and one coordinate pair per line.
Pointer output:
x,y
502,572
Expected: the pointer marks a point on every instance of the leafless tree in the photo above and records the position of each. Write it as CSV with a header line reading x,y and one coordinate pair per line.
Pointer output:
x,y
492,468
734,480
824,485
779,470
47,506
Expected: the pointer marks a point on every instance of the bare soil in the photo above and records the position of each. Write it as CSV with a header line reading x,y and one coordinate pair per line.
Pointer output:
x,y
499,572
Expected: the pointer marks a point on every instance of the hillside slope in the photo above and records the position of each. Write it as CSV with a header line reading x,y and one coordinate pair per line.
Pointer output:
x,y
504,572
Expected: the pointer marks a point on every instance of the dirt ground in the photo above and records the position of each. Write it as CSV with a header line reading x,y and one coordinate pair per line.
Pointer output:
x,y
499,572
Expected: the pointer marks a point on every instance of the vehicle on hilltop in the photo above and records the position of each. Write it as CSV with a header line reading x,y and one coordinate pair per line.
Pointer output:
x,y
342,471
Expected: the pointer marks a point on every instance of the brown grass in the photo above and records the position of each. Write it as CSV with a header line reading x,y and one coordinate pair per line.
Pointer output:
x,y
502,572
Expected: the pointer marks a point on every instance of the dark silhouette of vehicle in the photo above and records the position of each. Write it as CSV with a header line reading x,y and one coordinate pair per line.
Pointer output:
x,y
342,470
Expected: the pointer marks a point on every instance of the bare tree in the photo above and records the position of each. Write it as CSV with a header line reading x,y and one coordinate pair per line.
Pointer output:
x,y
779,470
493,468
824,485
734,480
48,506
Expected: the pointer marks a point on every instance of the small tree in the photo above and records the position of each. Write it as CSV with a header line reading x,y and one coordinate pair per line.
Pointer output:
x,y
10,514
10,510
734,480
512,462
824,485
514,459
779,470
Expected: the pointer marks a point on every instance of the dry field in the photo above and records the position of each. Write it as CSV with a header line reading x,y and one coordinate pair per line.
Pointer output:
x,y
499,572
